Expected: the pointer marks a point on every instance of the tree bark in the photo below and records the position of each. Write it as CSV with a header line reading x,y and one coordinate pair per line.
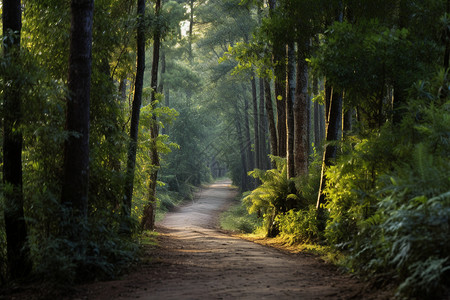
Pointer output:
x,y
290,94
76,148
148,219
332,135
248,141
256,124
240,137
280,95
271,119
164,88
301,113
18,252
135,112
262,127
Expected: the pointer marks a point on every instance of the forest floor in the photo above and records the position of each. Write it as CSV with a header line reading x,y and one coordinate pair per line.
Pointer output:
x,y
196,260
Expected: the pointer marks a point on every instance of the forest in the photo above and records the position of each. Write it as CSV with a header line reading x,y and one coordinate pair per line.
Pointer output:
x,y
332,117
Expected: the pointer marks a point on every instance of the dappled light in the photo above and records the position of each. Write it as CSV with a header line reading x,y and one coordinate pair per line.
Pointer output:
x,y
225,149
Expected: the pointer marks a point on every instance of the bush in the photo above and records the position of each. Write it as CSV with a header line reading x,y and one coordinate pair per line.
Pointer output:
x,y
299,226
276,194
407,236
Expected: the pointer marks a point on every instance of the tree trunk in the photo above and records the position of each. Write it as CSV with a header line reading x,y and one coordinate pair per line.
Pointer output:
x,y
262,128
148,219
271,119
18,252
280,92
446,40
248,141
256,124
76,148
346,122
301,113
164,88
135,112
240,139
332,135
278,59
290,94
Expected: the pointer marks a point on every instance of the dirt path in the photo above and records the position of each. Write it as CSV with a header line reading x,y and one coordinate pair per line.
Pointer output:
x,y
196,261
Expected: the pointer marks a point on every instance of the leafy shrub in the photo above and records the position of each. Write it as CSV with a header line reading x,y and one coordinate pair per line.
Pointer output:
x,y
299,226
408,236
351,188
275,195
101,254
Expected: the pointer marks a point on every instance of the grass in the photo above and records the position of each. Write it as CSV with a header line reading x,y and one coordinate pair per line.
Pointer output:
x,y
236,219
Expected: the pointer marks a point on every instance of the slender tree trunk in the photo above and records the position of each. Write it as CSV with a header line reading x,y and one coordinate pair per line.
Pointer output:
x,y
148,219
280,92
123,89
290,94
271,119
76,148
346,122
301,113
256,124
135,112
163,88
317,137
446,39
262,128
18,252
242,150
248,140
332,134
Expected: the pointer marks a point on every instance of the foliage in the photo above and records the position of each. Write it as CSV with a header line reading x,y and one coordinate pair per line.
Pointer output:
x,y
239,220
299,226
100,255
275,195
389,201
351,186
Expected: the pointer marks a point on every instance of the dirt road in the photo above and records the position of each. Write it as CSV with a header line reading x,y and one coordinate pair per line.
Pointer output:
x,y
196,261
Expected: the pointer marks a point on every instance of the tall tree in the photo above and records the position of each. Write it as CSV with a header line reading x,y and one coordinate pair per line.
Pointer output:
x,y
148,219
301,112
256,124
76,147
18,252
136,109
271,119
278,60
332,135
264,163
290,94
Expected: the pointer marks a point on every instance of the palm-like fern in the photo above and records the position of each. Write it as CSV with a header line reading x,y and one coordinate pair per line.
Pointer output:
x,y
275,195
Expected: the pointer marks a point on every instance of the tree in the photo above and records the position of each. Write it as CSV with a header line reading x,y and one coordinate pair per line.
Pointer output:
x,y
301,113
18,251
148,219
136,109
76,148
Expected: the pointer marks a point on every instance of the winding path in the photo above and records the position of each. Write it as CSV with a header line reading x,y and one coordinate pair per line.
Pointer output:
x,y
196,261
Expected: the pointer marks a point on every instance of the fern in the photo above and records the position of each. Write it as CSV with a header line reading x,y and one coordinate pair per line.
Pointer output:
x,y
275,195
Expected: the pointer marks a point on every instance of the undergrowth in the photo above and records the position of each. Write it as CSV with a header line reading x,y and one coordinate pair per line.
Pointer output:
x,y
237,219
388,200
